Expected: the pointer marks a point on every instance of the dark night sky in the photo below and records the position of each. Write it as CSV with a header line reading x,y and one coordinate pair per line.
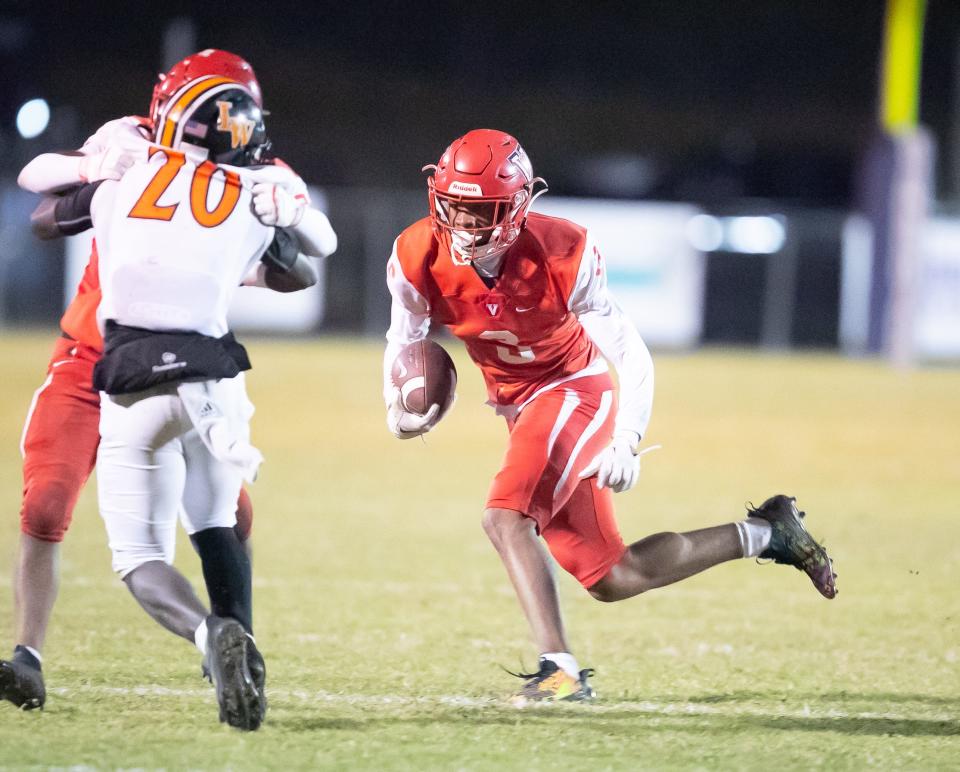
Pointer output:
x,y
686,99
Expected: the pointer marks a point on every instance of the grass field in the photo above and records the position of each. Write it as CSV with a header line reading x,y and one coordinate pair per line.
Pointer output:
x,y
384,614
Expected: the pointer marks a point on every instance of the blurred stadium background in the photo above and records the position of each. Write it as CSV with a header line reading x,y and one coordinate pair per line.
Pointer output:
x,y
776,186
740,161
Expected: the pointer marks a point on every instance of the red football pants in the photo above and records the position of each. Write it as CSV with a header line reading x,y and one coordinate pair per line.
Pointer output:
x,y
59,445
551,442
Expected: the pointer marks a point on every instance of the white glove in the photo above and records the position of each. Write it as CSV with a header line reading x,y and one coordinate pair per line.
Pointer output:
x,y
617,466
109,164
403,424
277,174
274,205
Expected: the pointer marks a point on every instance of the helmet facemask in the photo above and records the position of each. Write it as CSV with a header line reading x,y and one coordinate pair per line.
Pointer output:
x,y
477,227
480,191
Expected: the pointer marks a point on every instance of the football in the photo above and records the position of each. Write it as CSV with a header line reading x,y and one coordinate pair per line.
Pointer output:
x,y
425,375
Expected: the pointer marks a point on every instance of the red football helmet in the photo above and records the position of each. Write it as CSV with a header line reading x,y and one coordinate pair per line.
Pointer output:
x,y
479,192
210,61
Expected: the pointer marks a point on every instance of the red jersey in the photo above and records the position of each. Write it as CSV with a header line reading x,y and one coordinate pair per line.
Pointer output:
x,y
521,332
79,321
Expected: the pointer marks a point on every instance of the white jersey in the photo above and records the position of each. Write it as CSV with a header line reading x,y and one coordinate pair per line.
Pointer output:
x,y
176,238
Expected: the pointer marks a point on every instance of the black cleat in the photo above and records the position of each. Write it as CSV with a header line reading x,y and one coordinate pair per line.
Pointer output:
x,y
792,545
258,672
238,674
22,685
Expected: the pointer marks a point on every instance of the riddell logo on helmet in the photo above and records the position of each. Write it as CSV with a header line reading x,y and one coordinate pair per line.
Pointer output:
x,y
519,159
466,188
240,128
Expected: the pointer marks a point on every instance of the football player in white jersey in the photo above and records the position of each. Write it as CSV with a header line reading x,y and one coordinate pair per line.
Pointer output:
x,y
177,234
55,469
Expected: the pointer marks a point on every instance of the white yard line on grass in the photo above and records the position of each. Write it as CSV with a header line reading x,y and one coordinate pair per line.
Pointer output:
x,y
462,701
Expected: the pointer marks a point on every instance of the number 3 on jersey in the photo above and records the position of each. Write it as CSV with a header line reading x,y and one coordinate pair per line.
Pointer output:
x,y
147,207
512,353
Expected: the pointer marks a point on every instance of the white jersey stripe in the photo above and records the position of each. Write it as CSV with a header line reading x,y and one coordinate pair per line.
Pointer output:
x,y
33,406
606,400
597,367
570,402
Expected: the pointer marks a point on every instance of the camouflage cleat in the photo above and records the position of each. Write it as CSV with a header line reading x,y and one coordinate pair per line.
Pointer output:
x,y
238,674
22,685
552,684
791,544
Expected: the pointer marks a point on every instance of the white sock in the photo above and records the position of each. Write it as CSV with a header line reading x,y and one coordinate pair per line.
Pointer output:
x,y
200,637
565,661
35,653
755,535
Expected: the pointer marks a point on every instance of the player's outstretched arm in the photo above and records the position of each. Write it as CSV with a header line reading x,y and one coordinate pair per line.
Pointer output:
x,y
104,156
55,172
66,215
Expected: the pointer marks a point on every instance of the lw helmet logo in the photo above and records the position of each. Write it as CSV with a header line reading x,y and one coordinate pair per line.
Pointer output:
x,y
240,128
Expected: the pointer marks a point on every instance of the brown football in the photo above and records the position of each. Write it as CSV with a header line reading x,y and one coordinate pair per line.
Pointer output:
x,y
425,375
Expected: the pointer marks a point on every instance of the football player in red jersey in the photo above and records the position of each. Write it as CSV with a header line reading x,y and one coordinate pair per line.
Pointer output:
x,y
528,296
61,436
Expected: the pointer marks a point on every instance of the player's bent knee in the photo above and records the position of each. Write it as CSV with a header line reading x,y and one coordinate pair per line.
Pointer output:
x,y
619,585
604,592
127,559
47,511
502,524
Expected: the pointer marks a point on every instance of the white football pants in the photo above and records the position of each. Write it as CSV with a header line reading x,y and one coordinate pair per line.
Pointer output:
x,y
153,465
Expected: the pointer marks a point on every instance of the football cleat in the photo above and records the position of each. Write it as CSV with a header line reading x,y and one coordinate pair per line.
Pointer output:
x,y
258,668
552,684
238,673
22,685
258,672
791,544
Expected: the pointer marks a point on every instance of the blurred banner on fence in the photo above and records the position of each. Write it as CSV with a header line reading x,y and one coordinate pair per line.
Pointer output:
x,y
653,270
936,324
934,314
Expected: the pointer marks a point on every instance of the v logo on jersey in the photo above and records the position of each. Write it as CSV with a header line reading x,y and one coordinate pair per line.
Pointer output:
x,y
494,304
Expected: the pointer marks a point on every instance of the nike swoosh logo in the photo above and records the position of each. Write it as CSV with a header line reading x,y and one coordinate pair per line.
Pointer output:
x,y
524,310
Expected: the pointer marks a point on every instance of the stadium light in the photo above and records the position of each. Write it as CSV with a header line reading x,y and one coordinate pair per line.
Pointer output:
x,y
755,235
33,118
704,232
